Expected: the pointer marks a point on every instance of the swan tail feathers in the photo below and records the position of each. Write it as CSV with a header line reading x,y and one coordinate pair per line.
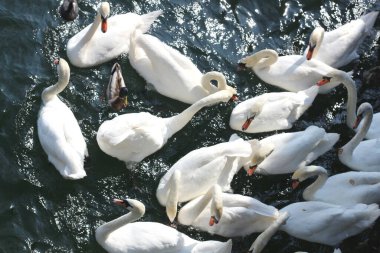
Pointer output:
x,y
148,20
263,239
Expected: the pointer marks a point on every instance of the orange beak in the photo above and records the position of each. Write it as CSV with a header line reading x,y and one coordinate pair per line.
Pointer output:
x,y
309,54
104,25
322,82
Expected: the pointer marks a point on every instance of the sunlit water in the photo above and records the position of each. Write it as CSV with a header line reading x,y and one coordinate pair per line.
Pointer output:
x,y
42,212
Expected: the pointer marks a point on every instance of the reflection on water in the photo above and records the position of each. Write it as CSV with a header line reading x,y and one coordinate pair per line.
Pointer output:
x,y
41,212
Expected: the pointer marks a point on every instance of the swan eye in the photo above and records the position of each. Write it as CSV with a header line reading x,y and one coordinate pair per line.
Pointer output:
x,y
326,78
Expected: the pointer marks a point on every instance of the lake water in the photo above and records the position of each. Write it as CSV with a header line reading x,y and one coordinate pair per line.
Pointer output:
x,y
42,212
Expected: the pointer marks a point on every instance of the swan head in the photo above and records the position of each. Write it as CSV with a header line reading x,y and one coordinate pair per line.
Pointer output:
x,y
315,40
363,109
221,83
216,205
255,110
335,75
63,68
104,12
132,205
306,172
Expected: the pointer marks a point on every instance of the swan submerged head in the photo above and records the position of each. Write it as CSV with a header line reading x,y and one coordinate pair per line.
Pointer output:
x,y
104,12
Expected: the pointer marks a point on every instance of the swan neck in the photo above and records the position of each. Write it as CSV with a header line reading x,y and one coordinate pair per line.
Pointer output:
x,y
50,92
107,228
93,28
199,206
208,77
177,122
351,101
316,185
261,59
360,134
263,239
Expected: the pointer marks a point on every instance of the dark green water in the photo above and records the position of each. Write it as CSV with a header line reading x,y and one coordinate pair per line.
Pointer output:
x,y
42,212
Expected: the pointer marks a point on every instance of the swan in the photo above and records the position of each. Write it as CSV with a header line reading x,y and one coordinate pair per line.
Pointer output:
x,y
171,73
58,129
69,10
342,77
133,136
194,174
284,153
358,154
346,189
226,214
93,45
290,72
117,92
125,235
320,222
271,111
338,47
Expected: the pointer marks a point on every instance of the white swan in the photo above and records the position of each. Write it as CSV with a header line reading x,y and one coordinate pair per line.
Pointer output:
x,y
69,10
117,92
95,45
125,235
342,77
338,47
194,174
358,154
272,111
134,136
171,73
228,215
58,129
346,189
290,72
320,222
284,153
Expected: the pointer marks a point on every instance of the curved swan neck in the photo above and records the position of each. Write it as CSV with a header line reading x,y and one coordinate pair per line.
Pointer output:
x,y
360,134
262,240
103,231
91,31
318,183
200,204
63,80
172,187
351,99
261,59
213,76
177,122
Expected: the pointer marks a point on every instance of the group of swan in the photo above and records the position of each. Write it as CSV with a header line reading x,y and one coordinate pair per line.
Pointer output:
x,y
133,136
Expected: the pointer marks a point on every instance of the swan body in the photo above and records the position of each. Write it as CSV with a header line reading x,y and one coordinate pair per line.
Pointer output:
x,y
58,129
340,76
69,10
344,189
133,136
358,154
194,174
117,92
123,235
284,153
339,47
107,37
327,223
272,111
234,214
320,222
171,73
290,72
